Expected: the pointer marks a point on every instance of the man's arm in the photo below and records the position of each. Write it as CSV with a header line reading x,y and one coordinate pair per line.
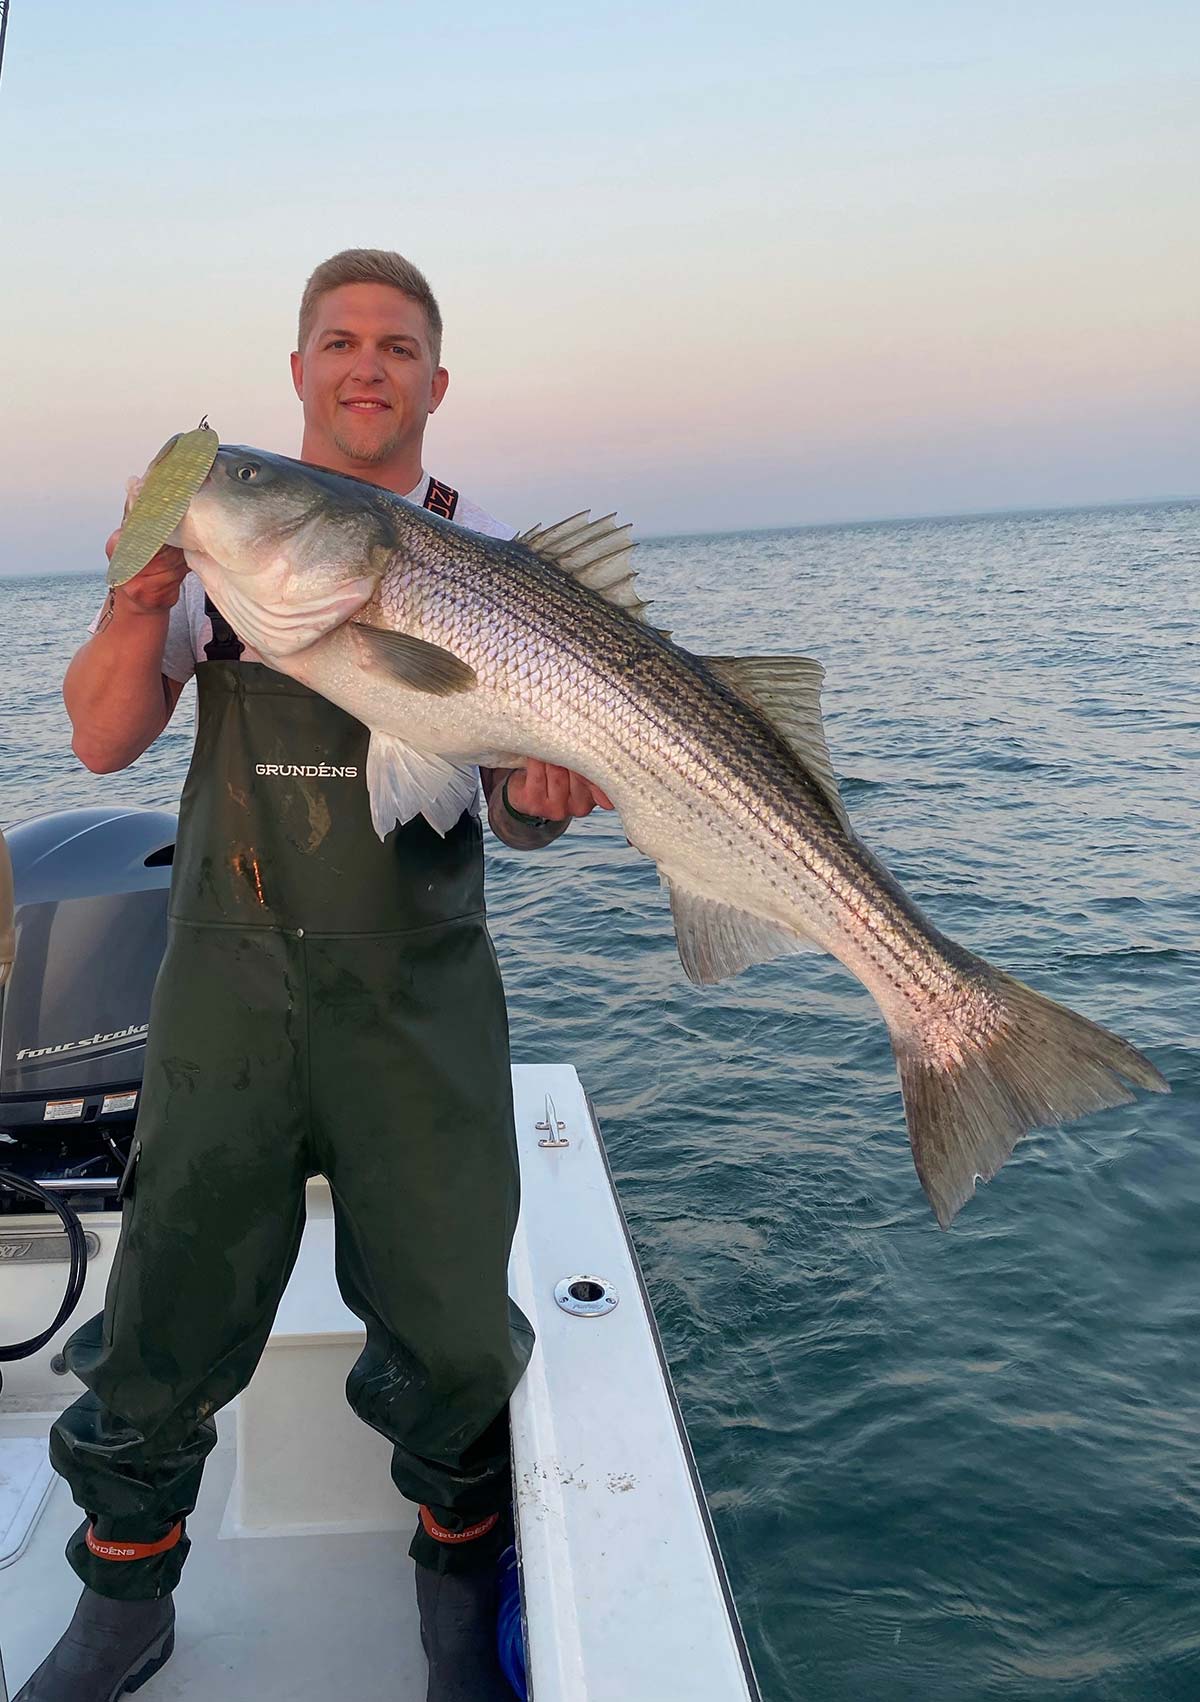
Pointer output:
x,y
530,807
116,693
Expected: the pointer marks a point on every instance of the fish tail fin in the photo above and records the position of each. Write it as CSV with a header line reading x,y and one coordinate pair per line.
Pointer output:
x,y
1006,1060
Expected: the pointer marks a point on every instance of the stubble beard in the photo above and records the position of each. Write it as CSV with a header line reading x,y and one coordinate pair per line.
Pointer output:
x,y
368,455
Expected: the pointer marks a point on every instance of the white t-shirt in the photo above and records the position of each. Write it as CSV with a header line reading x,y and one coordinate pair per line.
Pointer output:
x,y
190,628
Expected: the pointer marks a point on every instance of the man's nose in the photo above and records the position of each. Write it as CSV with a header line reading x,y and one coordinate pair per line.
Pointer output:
x,y
367,367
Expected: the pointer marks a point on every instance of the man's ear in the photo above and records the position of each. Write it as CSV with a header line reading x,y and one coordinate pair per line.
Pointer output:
x,y
437,389
298,375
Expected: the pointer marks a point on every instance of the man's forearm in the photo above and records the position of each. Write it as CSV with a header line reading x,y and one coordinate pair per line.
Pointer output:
x,y
522,834
114,689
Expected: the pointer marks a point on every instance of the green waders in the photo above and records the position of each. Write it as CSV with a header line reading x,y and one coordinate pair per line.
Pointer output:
x,y
327,1003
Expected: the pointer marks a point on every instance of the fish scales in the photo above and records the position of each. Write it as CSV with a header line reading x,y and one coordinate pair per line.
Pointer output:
x,y
599,658
456,649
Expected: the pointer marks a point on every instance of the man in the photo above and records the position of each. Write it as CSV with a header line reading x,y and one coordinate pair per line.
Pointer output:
x,y
318,998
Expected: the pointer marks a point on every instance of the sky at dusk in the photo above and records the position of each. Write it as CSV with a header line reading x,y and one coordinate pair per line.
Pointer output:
x,y
711,266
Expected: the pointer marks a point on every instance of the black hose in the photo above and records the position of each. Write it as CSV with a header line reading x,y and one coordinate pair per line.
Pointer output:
x,y
76,1241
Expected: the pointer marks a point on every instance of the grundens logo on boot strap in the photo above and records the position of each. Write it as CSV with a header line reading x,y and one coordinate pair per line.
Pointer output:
x,y
308,770
440,1533
105,1549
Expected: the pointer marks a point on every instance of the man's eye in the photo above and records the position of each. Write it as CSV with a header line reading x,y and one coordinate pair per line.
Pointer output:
x,y
401,349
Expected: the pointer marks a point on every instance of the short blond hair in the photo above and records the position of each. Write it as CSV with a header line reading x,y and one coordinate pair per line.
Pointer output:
x,y
371,266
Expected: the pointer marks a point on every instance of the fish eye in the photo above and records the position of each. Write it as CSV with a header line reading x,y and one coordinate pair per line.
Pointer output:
x,y
247,471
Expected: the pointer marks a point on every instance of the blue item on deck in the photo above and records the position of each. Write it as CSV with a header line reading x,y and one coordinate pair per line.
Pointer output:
x,y
509,1640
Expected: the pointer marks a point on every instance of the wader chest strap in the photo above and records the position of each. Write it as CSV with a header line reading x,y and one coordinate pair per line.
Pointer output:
x,y
224,645
440,499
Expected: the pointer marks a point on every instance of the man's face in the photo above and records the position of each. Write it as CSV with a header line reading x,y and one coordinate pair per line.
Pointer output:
x,y
366,378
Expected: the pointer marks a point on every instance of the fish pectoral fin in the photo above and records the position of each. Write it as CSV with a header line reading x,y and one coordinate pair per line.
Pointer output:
x,y
597,553
786,691
414,661
403,782
717,939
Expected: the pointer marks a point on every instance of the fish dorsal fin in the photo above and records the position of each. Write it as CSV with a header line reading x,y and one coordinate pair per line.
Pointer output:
x,y
786,690
716,939
598,553
403,782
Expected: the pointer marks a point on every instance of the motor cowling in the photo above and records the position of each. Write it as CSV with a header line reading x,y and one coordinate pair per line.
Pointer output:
x,y
91,889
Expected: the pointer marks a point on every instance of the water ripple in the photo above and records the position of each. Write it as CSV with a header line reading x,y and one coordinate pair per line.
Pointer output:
x,y
942,1466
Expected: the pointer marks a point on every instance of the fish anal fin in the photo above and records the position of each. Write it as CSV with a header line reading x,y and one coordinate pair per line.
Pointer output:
x,y
786,691
717,939
414,662
403,782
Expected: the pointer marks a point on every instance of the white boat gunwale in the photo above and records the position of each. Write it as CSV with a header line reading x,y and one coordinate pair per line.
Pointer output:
x,y
675,1612
681,1432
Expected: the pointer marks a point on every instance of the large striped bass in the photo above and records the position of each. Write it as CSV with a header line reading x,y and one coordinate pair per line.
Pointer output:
x,y
457,650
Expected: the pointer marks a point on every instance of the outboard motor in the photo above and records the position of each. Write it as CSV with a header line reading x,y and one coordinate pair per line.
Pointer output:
x,y
8,935
91,892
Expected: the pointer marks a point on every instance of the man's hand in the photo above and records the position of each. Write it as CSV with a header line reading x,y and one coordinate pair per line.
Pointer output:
x,y
555,794
116,693
157,586
546,795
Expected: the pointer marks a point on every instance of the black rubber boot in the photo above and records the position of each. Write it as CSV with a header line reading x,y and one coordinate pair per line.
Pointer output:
x,y
458,1634
109,1648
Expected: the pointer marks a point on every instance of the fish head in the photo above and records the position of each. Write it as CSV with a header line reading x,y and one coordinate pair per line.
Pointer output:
x,y
286,550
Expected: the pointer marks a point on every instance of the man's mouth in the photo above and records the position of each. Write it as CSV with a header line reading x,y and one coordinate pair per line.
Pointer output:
x,y
365,405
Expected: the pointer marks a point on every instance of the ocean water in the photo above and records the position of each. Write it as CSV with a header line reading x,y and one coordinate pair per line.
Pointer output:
x,y
963,1465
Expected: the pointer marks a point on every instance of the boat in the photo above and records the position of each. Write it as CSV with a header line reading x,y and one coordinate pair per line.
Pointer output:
x,y
299,1584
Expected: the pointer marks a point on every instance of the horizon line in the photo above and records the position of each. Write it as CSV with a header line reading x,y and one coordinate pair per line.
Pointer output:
x,y
915,519
808,525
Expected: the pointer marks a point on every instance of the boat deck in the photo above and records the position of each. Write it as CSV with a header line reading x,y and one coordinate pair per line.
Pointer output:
x,y
298,1584
258,1617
